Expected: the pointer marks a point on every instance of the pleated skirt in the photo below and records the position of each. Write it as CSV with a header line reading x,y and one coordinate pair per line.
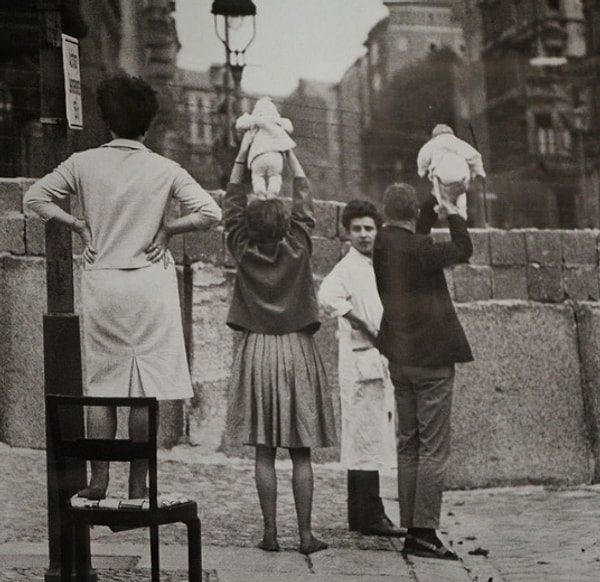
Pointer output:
x,y
133,334
278,393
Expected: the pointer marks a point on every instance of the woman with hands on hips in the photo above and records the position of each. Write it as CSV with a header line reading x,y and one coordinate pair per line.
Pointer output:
x,y
132,328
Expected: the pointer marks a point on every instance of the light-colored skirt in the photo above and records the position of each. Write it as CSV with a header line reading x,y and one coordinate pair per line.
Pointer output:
x,y
278,393
133,333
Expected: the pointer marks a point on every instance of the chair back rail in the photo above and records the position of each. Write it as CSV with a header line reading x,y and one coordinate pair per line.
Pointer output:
x,y
92,449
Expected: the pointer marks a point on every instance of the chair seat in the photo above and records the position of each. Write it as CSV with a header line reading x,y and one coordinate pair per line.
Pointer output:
x,y
119,503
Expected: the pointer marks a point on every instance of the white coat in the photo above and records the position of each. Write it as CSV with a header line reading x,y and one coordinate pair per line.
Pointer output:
x,y
368,440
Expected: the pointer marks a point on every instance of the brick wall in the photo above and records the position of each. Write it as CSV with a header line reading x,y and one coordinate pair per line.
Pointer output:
x,y
526,410
549,266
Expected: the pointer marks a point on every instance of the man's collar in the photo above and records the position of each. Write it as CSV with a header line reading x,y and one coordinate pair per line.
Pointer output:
x,y
405,225
121,142
357,253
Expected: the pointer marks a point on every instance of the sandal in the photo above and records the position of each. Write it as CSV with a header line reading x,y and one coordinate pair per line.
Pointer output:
x,y
424,549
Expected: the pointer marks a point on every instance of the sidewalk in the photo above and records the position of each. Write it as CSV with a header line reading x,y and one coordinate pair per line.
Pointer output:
x,y
526,534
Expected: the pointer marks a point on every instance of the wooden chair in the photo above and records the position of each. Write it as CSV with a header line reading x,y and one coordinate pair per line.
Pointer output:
x,y
77,515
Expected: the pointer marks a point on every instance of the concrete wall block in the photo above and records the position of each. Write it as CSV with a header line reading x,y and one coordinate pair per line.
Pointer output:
x,y
472,283
77,244
326,253
212,340
545,284
509,283
176,245
588,328
12,233
481,243
481,246
11,195
507,248
205,246
579,247
21,355
35,237
544,247
581,283
328,215
518,414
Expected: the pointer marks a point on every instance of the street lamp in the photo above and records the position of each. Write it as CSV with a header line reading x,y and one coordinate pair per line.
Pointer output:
x,y
230,18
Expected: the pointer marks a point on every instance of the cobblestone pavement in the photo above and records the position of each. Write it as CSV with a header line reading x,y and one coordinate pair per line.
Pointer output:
x,y
523,534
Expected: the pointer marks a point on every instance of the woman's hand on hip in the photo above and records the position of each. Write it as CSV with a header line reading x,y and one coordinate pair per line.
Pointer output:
x,y
83,230
157,249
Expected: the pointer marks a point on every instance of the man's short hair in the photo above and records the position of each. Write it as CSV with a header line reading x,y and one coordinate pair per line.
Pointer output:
x,y
128,105
266,220
400,202
441,128
360,209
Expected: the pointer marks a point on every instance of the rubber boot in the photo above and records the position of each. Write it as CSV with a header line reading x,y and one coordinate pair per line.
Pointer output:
x,y
364,503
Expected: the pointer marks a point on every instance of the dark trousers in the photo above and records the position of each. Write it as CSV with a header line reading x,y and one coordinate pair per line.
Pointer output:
x,y
365,507
424,403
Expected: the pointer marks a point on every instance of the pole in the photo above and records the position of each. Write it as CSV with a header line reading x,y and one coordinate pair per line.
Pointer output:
x,y
484,187
62,352
227,86
582,174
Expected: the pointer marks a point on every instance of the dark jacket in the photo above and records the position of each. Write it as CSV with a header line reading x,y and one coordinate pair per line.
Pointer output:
x,y
420,326
274,290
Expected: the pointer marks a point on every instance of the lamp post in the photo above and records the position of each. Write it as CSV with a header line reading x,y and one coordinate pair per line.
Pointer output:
x,y
230,26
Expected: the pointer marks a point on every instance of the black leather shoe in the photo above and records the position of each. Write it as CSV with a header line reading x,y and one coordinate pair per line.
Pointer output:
x,y
384,527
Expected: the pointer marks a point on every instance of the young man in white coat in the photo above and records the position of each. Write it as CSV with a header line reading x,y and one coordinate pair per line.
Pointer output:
x,y
368,444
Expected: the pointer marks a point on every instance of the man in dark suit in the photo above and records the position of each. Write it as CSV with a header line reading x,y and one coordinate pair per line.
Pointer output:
x,y
422,338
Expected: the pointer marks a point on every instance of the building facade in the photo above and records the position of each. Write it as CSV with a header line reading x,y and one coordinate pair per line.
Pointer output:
x,y
540,91
115,35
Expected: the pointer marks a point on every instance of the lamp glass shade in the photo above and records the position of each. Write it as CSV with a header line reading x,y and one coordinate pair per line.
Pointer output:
x,y
233,8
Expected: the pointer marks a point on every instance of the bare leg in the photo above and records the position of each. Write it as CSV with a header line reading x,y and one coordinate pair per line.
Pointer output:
x,y
138,470
266,486
274,186
101,424
259,185
302,486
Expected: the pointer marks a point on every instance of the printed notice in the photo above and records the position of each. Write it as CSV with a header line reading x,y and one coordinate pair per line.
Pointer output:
x,y
70,51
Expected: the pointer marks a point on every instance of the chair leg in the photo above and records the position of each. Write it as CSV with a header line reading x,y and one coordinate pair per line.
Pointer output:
x,y
66,550
194,550
82,557
154,554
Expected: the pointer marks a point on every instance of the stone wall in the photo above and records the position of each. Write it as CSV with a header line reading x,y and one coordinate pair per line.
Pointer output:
x,y
526,411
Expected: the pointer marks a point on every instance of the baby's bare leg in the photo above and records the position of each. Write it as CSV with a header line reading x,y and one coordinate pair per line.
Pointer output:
x,y
274,186
259,185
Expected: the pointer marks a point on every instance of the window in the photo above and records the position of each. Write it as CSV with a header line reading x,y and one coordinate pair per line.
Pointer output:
x,y
545,135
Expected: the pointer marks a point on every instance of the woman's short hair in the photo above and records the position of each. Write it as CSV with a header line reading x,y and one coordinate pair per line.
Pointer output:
x,y
360,209
128,105
266,220
400,202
